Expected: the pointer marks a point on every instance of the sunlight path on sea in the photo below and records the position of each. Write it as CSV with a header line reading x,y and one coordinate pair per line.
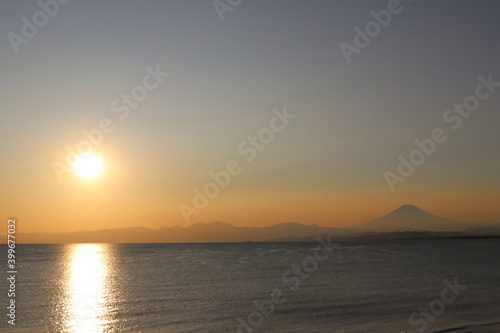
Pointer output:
x,y
86,288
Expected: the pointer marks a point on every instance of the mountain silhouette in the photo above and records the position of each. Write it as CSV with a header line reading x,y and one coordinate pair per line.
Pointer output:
x,y
397,224
215,232
412,218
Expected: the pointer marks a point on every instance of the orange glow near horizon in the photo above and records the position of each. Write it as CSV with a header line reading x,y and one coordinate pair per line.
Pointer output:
x,y
103,205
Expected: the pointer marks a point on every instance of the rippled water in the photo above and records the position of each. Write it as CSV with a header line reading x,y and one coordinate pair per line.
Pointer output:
x,y
360,287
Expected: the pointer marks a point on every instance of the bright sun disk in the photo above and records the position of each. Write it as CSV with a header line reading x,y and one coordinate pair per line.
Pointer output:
x,y
88,166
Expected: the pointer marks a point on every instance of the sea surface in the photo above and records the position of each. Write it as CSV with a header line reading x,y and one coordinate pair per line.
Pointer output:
x,y
257,287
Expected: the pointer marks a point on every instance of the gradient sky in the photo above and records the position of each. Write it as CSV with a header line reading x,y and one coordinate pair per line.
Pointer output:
x,y
327,167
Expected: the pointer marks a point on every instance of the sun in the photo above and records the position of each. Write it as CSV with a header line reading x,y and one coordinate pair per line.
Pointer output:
x,y
88,166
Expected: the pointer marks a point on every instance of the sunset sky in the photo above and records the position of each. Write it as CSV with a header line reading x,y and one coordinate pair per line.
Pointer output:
x,y
227,81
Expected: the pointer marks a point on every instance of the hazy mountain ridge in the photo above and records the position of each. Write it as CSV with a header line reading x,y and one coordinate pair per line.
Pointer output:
x,y
198,232
405,222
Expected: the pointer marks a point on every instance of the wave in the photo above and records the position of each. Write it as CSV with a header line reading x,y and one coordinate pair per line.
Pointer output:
x,y
473,328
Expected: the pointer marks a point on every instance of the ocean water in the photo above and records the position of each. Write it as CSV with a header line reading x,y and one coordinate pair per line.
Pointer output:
x,y
258,287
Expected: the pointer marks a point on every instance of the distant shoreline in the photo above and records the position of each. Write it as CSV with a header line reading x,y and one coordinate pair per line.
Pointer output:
x,y
334,239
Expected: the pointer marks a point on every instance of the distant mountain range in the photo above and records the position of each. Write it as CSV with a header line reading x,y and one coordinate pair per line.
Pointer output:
x,y
406,222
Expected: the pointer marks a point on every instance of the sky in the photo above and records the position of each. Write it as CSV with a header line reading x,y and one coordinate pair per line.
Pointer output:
x,y
209,76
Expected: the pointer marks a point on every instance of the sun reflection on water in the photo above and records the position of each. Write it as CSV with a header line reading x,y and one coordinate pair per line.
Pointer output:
x,y
87,288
